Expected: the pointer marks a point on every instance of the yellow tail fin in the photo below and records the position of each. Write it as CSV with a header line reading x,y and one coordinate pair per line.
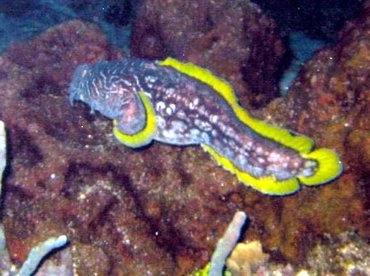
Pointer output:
x,y
329,167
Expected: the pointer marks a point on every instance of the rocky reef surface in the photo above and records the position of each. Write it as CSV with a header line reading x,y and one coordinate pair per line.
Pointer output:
x,y
232,38
161,209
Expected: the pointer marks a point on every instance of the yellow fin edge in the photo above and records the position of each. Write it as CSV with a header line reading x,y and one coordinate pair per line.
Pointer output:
x,y
329,163
299,143
144,136
267,185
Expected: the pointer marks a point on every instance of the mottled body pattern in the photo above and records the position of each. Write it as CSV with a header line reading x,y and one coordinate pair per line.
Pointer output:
x,y
187,111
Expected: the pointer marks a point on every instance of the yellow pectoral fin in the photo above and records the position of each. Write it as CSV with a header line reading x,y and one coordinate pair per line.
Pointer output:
x,y
267,185
329,167
144,136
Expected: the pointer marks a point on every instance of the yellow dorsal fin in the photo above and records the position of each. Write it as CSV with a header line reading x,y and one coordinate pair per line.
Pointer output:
x,y
299,143
203,75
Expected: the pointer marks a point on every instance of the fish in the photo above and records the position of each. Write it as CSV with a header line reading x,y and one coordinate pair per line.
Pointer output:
x,y
182,104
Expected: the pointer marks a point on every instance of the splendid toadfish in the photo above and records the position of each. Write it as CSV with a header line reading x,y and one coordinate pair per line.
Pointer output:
x,y
183,104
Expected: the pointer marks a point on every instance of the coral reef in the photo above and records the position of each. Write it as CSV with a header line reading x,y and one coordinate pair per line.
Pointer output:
x,y
319,19
161,210
223,36
2,151
246,258
226,244
346,254
332,93
39,252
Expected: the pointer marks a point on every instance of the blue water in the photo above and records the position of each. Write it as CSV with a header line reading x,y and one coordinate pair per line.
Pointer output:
x,y
21,20
303,48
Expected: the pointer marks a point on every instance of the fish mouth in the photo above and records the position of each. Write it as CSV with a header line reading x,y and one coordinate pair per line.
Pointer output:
x,y
80,75
74,95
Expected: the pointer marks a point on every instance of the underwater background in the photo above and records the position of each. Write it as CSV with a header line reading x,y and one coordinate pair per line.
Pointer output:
x,y
160,210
